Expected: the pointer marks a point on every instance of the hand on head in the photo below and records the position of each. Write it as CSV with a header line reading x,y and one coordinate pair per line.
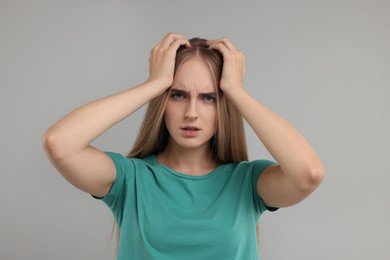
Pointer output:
x,y
162,58
233,64
162,61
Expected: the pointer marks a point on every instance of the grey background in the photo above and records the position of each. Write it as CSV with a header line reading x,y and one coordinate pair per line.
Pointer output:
x,y
322,65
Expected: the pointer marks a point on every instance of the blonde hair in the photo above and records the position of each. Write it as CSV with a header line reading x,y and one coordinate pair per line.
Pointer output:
x,y
229,142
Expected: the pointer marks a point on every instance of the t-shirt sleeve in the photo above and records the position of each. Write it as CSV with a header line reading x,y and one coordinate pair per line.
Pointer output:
x,y
114,199
257,167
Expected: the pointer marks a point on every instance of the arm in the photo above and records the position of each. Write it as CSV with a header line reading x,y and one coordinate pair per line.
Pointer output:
x,y
67,142
299,170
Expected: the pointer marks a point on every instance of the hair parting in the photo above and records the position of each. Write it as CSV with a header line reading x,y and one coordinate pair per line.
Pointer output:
x,y
228,145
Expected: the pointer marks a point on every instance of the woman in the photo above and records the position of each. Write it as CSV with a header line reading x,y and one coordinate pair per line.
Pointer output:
x,y
186,190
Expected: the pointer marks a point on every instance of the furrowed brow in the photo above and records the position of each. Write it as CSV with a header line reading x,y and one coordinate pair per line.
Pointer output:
x,y
179,91
208,94
187,93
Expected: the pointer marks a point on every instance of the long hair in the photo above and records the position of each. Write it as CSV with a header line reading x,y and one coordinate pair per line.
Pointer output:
x,y
228,145
229,142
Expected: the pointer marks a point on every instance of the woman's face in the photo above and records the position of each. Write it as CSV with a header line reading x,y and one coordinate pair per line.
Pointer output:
x,y
191,111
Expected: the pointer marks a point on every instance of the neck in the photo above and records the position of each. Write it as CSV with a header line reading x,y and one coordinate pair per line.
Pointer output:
x,y
198,161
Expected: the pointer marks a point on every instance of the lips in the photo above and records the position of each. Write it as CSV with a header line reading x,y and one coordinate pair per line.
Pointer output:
x,y
190,131
190,128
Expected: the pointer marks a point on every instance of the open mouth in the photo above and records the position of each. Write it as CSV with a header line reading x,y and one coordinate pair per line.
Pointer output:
x,y
190,131
190,128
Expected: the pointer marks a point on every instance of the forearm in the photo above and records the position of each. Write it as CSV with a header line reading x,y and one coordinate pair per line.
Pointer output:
x,y
79,128
289,148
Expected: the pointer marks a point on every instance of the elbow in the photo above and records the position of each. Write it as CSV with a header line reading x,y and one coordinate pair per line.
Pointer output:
x,y
312,177
316,175
53,145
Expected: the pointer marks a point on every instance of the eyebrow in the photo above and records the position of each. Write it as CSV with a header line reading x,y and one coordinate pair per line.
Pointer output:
x,y
187,93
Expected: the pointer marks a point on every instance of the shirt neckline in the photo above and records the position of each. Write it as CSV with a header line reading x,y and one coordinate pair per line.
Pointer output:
x,y
184,175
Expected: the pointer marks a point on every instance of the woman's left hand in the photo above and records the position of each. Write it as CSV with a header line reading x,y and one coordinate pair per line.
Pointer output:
x,y
233,64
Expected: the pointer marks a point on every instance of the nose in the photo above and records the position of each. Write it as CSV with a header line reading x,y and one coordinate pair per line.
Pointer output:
x,y
191,111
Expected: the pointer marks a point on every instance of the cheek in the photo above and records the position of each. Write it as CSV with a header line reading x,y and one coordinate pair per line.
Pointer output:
x,y
212,117
170,114
215,119
167,118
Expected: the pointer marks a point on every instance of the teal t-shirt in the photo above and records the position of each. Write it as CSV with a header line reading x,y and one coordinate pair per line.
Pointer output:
x,y
164,214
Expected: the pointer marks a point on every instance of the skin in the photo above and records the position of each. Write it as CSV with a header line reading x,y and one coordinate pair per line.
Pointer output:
x,y
299,170
191,103
67,142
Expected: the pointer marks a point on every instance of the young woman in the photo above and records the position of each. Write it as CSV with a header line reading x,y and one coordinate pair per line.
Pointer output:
x,y
187,189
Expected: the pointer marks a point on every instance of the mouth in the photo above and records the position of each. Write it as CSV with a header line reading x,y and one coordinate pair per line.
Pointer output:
x,y
190,128
190,131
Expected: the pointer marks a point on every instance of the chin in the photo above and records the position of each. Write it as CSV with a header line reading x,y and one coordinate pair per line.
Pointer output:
x,y
191,144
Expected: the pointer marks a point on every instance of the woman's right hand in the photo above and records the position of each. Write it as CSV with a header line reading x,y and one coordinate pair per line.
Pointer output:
x,y
68,142
162,58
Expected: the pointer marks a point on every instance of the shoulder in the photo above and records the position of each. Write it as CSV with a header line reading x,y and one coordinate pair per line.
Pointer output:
x,y
257,166
250,170
125,164
260,165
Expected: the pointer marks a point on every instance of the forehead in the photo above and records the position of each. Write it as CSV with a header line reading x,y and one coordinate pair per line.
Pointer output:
x,y
194,75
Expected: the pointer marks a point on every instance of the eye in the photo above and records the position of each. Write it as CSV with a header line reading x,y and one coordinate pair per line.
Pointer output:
x,y
209,99
177,96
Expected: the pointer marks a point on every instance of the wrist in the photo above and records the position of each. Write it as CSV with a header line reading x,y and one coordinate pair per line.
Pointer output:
x,y
235,91
157,84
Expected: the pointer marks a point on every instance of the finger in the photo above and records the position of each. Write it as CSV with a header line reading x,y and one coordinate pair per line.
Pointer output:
x,y
170,38
166,41
225,41
221,47
177,43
